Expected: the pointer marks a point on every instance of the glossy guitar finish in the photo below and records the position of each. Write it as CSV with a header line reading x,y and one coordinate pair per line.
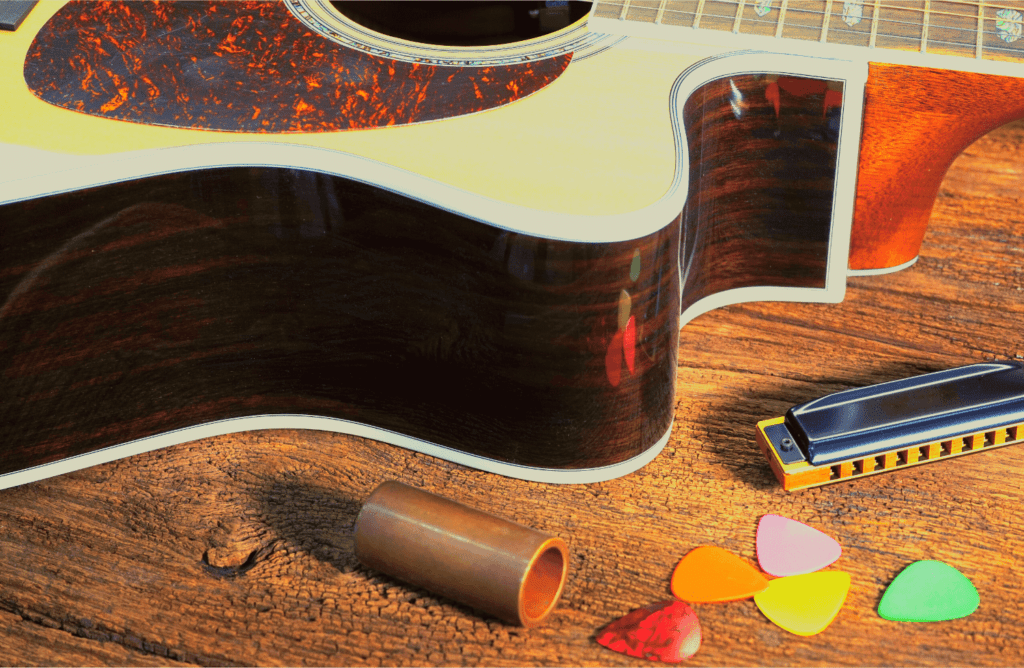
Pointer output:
x,y
736,206
173,301
502,288
896,189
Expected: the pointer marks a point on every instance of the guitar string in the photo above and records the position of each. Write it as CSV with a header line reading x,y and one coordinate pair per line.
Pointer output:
x,y
880,20
836,26
826,3
967,17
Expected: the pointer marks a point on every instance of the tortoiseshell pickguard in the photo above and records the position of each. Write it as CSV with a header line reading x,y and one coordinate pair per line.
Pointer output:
x,y
248,67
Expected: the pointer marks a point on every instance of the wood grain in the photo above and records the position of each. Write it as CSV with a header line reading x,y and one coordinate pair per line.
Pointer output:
x,y
135,309
763,220
238,550
916,122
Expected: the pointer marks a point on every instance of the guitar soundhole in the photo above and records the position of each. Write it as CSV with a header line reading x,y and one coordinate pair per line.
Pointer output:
x,y
463,23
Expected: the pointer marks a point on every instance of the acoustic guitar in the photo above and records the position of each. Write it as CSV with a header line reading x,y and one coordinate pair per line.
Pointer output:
x,y
226,216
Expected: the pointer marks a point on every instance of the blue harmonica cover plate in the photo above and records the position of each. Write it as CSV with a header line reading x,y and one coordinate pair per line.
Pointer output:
x,y
913,411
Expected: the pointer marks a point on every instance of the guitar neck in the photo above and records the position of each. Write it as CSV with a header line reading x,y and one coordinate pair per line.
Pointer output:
x,y
963,28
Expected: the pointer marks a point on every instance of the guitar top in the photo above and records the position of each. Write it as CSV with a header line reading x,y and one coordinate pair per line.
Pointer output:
x,y
542,152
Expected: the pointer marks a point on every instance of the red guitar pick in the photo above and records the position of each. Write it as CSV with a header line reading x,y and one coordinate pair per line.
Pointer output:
x,y
668,631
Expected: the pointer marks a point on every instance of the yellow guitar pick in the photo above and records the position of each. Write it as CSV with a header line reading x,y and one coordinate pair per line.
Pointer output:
x,y
804,604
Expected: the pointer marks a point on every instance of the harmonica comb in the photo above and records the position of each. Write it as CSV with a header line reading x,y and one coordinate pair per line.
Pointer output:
x,y
894,425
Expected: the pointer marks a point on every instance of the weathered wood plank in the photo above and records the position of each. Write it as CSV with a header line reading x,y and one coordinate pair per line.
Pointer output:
x,y
238,550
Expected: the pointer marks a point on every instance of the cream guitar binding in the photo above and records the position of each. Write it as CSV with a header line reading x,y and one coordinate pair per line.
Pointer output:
x,y
248,220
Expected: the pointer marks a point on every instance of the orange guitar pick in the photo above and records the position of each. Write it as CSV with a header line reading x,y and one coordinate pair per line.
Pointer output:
x,y
711,574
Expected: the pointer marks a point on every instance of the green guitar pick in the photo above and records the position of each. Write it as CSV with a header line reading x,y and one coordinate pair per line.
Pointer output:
x,y
928,591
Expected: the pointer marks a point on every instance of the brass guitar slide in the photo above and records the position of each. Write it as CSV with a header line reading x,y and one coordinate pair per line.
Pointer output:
x,y
893,425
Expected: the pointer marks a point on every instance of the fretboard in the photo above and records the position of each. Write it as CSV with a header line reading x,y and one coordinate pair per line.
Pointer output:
x,y
966,28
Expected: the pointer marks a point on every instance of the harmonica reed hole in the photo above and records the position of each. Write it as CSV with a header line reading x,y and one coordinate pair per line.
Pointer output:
x,y
833,472
990,438
947,448
901,458
879,462
858,467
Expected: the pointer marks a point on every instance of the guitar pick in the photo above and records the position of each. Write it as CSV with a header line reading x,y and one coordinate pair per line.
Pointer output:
x,y
668,631
710,574
928,591
804,604
787,547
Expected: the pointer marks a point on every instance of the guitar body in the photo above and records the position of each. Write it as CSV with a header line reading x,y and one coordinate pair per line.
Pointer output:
x,y
230,216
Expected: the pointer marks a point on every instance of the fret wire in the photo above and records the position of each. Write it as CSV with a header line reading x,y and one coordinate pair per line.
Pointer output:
x,y
661,11
874,24
877,6
992,33
696,17
782,18
874,20
955,14
625,9
824,22
981,28
983,33
924,27
933,43
739,15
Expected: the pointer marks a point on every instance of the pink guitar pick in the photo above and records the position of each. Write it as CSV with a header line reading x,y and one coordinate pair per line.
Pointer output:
x,y
787,547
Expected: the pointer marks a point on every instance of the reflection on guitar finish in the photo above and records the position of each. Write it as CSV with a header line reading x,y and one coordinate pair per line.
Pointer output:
x,y
766,220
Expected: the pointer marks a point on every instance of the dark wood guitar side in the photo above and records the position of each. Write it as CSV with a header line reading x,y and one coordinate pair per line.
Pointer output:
x,y
762,184
142,308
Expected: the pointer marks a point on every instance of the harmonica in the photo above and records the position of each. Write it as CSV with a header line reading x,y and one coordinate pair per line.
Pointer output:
x,y
895,425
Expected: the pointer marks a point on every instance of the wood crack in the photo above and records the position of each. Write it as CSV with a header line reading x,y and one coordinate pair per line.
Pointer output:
x,y
135,643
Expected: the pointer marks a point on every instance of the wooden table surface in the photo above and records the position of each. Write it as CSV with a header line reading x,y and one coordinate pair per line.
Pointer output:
x,y
238,550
